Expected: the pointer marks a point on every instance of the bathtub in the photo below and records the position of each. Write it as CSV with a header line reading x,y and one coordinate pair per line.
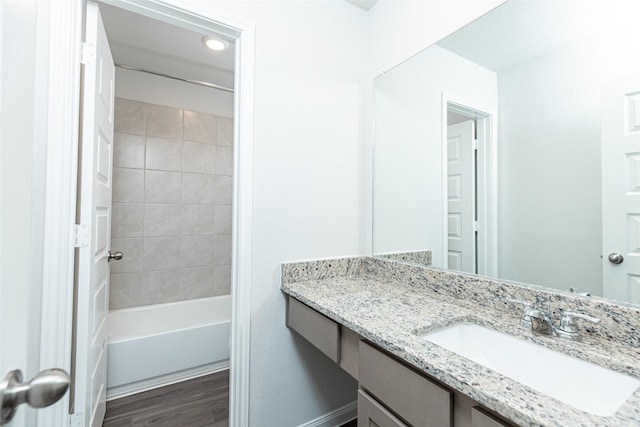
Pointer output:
x,y
156,345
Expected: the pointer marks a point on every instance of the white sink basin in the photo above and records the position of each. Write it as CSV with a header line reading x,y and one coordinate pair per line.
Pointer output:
x,y
586,386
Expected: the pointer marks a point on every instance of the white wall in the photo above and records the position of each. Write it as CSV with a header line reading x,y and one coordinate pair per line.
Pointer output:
x,y
408,152
550,217
399,29
308,142
152,89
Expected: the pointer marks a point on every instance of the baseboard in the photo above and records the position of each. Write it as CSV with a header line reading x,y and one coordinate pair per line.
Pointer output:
x,y
335,418
164,380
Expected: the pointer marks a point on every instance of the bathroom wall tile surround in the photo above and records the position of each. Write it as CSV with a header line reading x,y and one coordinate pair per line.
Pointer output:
x,y
171,204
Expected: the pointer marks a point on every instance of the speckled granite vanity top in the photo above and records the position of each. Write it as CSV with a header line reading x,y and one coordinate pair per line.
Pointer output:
x,y
392,303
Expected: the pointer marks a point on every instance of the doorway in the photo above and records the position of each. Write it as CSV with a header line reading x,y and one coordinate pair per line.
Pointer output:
x,y
156,184
470,188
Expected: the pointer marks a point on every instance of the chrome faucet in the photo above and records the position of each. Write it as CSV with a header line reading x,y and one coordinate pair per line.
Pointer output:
x,y
530,308
568,328
538,318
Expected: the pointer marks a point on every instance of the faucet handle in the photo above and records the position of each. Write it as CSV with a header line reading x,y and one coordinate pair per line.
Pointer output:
x,y
568,327
569,315
525,319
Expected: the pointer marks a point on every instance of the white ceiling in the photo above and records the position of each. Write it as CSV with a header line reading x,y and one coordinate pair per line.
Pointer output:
x,y
363,4
522,29
142,42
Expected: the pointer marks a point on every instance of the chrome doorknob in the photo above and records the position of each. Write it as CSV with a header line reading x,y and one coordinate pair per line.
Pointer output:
x,y
43,390
115,255
615,258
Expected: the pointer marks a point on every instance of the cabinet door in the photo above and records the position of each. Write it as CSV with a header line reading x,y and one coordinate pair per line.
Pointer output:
x,y
482,418
372,414
415,398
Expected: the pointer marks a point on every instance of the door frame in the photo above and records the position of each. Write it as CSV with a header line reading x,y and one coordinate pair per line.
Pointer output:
x,y
486,172
64,77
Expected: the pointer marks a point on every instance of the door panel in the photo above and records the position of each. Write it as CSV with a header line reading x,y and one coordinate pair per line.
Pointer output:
x,y
461,241
621,187
95,212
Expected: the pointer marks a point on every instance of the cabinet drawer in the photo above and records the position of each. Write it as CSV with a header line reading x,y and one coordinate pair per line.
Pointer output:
x,y
319,330
372,414
482,418
416,399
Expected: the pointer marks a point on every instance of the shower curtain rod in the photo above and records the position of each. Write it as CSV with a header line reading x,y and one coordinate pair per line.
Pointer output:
x,y
195,82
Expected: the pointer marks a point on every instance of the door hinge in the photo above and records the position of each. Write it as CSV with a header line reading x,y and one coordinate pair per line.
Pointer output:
x,y
88,55
475,144
76,420
81,238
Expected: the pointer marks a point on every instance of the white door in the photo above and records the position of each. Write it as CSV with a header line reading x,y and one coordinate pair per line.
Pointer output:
x,y
461,241
23,143
621,189
18,331
95,213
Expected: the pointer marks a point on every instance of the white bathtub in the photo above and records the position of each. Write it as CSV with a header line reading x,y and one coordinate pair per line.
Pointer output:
x,y
161,344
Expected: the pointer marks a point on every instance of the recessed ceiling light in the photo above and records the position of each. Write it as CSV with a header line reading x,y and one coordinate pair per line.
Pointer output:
x,y
214,43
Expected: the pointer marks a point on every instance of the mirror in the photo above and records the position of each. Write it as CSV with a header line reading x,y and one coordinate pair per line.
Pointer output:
x,y
549,90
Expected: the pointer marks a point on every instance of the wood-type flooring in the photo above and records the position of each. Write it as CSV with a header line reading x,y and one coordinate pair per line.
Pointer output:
x,y
200,402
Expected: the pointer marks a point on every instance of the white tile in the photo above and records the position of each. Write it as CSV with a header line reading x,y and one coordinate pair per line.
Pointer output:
x,y
161,253
196,283
224,161
128,150
128,185
125,290
126,220
198,189
199,158
162,220
197,251
222,250
200,127
164,122
198,219
161,286
129,116
222,280
163,187
222,219
225,131
164,154
224,190
132,250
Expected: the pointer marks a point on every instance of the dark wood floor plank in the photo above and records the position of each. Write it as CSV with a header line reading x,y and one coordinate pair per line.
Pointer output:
x,y
200,402
192,403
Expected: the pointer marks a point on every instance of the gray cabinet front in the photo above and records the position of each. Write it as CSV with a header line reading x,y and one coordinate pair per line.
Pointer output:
x,y
373,414
418,400
482,418
316,328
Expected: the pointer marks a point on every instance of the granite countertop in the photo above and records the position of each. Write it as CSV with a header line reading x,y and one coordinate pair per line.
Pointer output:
x,y
365,296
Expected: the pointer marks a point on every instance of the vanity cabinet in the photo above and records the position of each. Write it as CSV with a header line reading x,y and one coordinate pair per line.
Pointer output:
x,y
340,344
373,414
392,393
412,396
316,328
482,418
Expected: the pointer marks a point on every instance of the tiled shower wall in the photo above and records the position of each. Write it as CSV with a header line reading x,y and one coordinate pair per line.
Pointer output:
x,y
172,192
